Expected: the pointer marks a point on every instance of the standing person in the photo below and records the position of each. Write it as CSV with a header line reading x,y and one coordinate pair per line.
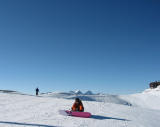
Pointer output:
x,y
37,91
78,106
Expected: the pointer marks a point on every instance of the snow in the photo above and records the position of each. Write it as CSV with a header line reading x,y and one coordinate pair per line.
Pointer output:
x,y
137,110
150,98
155,91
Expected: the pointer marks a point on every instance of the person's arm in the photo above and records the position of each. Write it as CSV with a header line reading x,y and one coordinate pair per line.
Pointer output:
x,y
81,108
74,107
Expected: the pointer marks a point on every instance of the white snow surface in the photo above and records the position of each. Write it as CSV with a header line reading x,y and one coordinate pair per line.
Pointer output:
x,y
137,110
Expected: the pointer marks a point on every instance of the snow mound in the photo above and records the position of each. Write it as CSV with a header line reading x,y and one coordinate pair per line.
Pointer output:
x,y
155,91
149,98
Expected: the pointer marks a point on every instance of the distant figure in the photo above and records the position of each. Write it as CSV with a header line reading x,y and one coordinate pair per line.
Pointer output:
x,y
78,106
37,91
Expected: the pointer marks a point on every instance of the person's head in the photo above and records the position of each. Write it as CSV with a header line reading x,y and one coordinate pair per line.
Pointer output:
x,y
77,100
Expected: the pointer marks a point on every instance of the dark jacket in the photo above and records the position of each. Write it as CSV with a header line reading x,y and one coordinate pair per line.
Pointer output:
x,y
78,107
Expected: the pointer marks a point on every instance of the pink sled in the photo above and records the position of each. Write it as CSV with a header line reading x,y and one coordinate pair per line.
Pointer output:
x,y
79,114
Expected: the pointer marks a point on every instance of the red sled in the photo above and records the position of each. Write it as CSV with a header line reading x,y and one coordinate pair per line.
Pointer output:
x,y
76,114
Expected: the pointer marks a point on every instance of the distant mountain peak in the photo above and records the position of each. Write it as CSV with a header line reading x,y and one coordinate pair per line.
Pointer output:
x,y
89,92
78,92
71,92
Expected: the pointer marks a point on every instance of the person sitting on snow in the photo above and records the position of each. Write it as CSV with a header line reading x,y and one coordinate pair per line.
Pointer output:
x,y
78,106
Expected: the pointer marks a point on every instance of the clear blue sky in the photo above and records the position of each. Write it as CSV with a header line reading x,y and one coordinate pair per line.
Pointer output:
x,y
110,46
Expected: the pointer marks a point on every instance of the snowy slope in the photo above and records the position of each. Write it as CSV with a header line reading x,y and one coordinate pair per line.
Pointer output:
x,y
150,98
17,110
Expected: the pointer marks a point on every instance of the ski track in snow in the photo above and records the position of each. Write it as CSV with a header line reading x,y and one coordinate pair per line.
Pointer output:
x,y
30,111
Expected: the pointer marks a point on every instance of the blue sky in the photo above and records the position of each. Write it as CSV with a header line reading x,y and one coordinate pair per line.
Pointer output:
x,y
109,46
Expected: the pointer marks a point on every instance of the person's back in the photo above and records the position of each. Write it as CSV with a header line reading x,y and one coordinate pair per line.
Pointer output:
x,y
78,106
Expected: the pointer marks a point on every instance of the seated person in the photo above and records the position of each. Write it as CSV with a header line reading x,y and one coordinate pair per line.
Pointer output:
x,y
78,106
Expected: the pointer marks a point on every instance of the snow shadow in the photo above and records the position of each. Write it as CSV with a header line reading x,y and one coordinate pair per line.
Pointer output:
x,y
104,117
26,124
